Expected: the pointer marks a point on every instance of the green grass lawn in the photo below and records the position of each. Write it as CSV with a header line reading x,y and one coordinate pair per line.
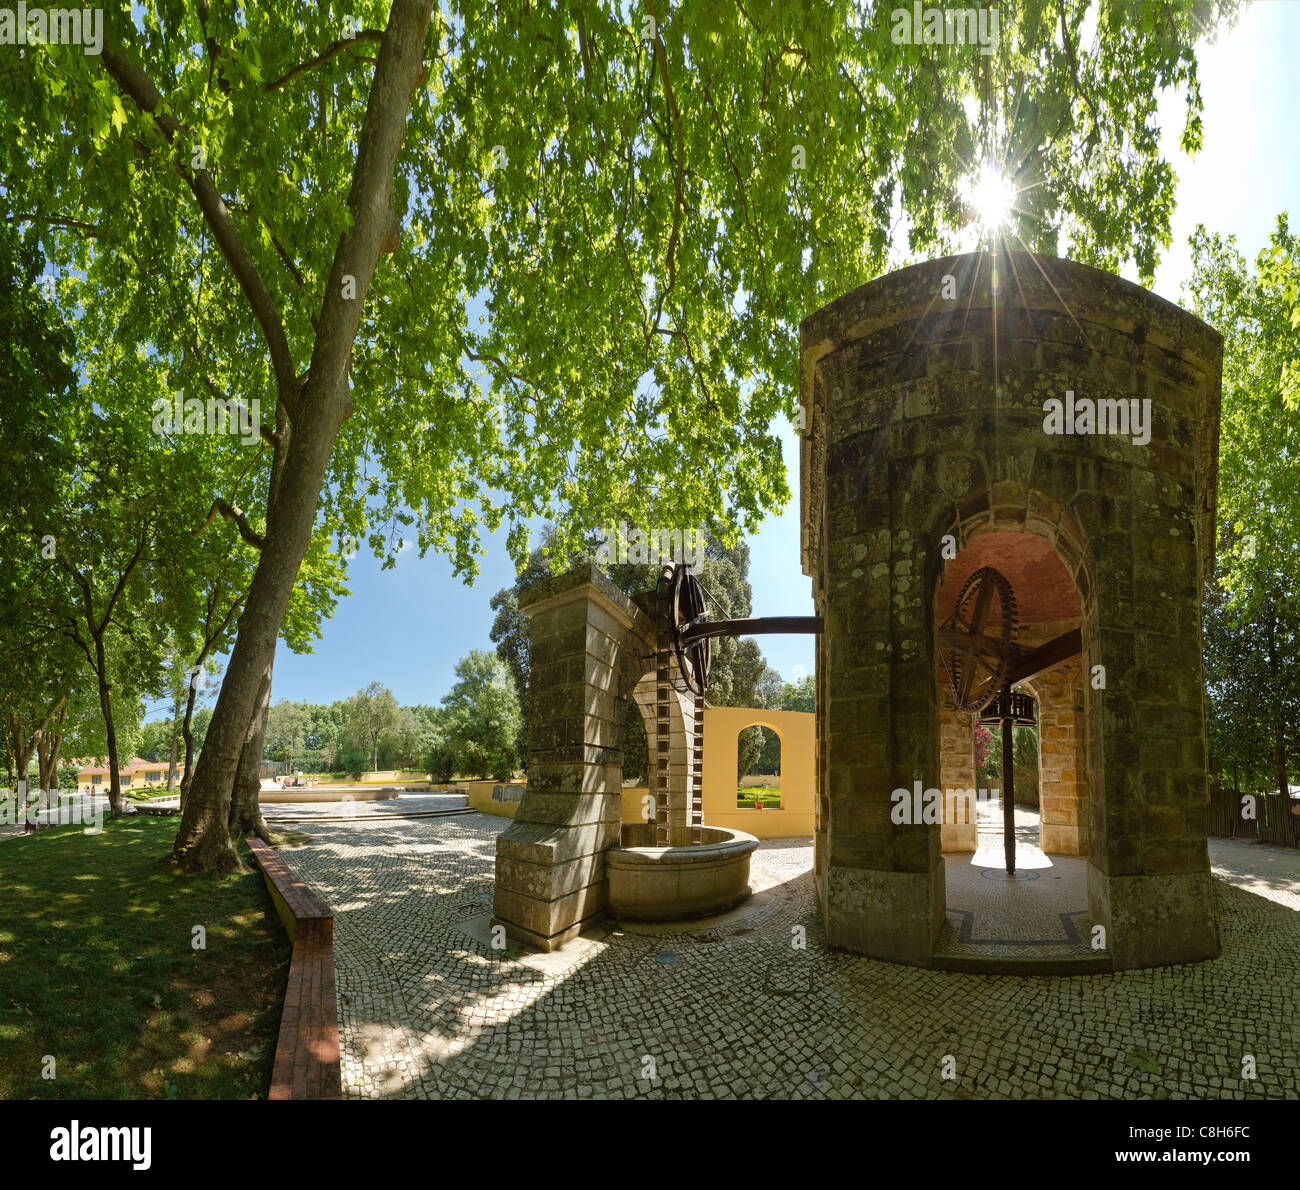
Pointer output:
x,y
747,794
97,969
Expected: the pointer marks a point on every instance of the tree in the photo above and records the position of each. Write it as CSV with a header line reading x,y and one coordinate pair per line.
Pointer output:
x,y
483,716
84,537
800,695
768,759
202,717
645,223
37,665
162,739
399,745
371,712
1252,681
104,535
435,745
286,729
155,740
1251,615
1024,754
983,747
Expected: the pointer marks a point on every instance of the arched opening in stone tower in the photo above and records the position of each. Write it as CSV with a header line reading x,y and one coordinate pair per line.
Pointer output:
x,y
1041,907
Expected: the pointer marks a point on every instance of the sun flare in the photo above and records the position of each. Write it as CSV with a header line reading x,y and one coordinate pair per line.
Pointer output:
x,y
992,196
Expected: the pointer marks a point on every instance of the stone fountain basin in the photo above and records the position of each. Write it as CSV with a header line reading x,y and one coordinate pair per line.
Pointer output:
x,y
668,883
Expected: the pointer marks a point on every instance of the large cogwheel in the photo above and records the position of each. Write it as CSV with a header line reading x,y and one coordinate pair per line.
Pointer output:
x,y
686,608
977,663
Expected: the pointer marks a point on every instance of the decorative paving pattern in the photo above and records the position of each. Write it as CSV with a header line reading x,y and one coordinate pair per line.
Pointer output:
x,y
1040,912
430,1011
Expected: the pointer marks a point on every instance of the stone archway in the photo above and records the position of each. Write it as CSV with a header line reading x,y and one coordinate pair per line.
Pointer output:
x,y
927,415
668,713
1040,557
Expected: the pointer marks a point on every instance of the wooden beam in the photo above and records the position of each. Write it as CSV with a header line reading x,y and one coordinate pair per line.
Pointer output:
x,y
751,627
1046,657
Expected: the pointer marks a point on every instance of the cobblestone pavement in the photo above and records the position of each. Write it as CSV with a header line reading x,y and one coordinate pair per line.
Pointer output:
x,y
732,1009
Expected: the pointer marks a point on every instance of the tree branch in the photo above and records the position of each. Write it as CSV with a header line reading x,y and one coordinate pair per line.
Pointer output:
x,y
661,58
231,513
375,228
245,415
132,80
333,50
141,539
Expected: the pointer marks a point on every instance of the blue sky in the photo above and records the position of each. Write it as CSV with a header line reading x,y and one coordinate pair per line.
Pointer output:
x,y
407,627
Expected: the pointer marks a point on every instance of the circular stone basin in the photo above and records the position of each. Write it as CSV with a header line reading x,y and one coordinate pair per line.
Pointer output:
x,y
667,883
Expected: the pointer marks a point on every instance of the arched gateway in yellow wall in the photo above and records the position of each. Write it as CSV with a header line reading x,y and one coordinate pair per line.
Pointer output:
x,y
797,732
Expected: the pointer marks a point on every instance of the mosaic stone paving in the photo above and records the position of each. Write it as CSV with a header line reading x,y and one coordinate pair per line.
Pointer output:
x,y
429,1010
1041,912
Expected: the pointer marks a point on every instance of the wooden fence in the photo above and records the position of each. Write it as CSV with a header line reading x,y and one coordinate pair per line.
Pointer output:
x,y
1277,818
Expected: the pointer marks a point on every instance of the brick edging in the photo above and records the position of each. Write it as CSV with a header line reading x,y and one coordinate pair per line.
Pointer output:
x,y
307,1050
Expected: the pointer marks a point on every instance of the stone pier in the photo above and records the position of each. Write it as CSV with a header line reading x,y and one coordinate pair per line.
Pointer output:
x,y
590,644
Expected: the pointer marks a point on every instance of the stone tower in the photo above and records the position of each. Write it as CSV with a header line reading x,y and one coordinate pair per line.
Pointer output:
x,y
1060,424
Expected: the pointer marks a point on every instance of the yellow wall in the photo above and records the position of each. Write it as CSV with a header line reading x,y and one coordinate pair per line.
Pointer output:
x,y
632,805
722,725
480,796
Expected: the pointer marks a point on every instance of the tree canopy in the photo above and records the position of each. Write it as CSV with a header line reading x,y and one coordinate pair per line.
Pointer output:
x,y
504,262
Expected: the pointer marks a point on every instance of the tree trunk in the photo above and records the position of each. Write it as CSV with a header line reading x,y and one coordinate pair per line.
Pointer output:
x,y
317,408
56,743
106,708
47,754
1279,723
42,763
245,807
187,731
176,724
24,748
